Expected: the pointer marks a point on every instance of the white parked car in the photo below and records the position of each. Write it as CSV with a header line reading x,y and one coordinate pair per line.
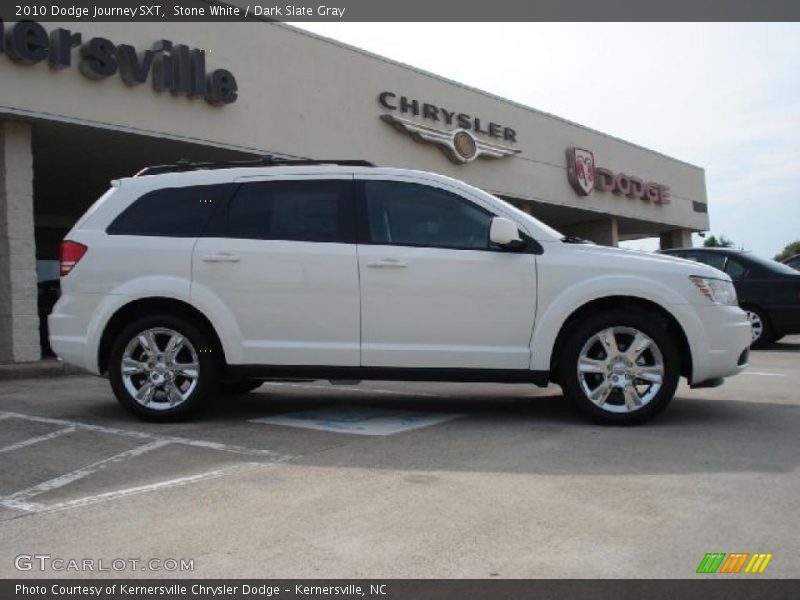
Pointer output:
x,y
189,281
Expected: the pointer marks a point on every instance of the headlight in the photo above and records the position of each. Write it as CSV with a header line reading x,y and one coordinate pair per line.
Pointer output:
x,y
719,291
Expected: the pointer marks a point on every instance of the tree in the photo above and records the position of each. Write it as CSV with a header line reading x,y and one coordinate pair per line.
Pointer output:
x,y
713,241
789,250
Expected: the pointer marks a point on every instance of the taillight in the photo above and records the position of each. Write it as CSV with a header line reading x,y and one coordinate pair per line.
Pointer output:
x,y
71,253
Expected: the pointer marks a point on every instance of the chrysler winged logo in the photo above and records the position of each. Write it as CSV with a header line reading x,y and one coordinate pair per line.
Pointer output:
x,y
459,145
580,168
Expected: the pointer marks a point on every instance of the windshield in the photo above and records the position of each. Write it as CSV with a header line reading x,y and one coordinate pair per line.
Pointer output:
x,y
536,223
538,230
771,265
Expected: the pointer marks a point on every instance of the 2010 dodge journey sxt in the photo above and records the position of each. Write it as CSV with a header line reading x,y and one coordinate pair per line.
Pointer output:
x,y
187,282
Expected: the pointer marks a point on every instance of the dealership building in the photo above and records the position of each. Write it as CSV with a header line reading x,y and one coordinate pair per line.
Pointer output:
x,y
84,103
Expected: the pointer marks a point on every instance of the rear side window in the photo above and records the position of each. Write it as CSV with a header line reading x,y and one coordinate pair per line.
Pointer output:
x,y
294,210
173,212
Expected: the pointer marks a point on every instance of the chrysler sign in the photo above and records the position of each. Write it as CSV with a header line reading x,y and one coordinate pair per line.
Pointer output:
x,y
585,176
171,67
460,135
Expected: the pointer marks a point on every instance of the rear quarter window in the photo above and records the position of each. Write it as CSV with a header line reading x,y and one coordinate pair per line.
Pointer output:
x,y
171,212
313,210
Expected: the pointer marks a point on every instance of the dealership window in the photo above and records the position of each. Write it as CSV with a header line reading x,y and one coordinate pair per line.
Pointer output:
x,y
312,211
174,212
412,214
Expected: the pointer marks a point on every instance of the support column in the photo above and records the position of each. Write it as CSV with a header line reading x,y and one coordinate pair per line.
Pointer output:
x,y
604,232
19,319
676,238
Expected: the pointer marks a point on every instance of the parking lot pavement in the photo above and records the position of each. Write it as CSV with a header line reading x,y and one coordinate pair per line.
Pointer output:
x,y
404,480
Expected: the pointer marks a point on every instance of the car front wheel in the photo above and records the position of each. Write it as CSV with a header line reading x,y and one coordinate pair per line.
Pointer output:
x,y
162,368
619,368
760,327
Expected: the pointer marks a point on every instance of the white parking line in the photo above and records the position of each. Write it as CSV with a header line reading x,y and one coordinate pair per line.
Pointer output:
x,y
36,440
133,491
19,499
22,500
351,389
763,374
275,456
358,420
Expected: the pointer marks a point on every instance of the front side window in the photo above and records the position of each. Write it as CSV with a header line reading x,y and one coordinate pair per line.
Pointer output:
x,y
735,269
172,212
411,214
311,211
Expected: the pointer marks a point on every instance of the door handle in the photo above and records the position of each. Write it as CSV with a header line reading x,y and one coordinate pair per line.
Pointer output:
x,y
221,257
388,263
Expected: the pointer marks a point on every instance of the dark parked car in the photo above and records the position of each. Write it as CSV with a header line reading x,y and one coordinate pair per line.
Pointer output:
x,y
768,291
793,261
49,291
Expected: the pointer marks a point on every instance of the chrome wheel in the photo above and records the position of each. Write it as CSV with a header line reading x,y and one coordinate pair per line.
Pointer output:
x,y
620,369
160,369
756,326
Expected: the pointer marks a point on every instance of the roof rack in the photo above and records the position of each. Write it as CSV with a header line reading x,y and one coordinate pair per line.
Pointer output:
x,y
263,161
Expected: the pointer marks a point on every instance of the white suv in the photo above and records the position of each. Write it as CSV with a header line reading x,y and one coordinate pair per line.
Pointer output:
x,y
189,281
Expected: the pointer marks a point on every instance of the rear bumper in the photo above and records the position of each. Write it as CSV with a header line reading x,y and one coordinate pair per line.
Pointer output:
x,y
70,328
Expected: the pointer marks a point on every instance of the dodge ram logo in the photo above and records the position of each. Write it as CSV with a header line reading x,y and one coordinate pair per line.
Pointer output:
x,y
585,176
580,167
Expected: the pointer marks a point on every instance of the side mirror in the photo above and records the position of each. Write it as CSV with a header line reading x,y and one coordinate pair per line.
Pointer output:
x,y
504,232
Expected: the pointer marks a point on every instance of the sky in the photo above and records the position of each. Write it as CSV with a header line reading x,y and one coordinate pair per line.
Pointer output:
x,y
725,97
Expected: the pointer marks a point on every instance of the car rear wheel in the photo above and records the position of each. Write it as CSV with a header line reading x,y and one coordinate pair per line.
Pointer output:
x,y
619,368
761,329
162,368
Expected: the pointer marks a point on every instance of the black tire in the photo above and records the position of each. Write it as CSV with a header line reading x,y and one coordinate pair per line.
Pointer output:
x,y
755,314
572,383
160,409
238,388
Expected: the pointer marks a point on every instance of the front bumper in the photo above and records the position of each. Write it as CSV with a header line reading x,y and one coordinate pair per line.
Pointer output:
x,y
720,343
